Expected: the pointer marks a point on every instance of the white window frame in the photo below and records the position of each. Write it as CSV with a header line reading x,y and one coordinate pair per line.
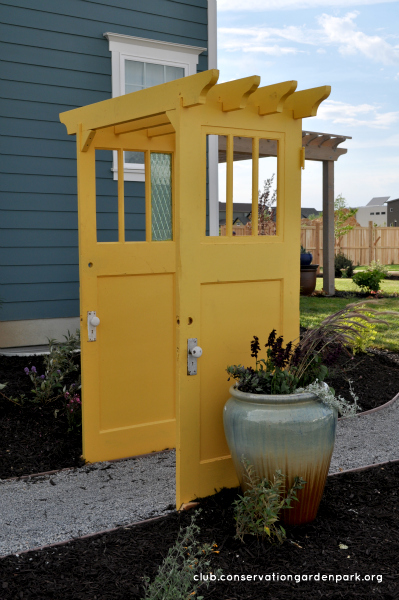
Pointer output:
x,y
126,47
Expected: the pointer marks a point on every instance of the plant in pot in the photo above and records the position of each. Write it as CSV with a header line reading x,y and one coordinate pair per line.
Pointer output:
x,y
280,414
306,257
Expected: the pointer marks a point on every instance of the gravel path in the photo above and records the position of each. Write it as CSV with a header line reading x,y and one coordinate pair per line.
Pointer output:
x,y
49,509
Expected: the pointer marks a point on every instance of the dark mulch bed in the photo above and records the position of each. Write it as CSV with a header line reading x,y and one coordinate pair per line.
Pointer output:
x,y
374,377
33,441
359,510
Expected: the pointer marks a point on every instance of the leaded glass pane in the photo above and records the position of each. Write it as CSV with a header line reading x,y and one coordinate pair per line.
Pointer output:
x,y
161,196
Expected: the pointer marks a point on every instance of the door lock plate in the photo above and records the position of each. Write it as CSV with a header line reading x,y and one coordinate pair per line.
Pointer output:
x,y
191,359
92,322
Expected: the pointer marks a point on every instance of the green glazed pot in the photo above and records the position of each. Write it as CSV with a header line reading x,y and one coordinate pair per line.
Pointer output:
x,y
294,433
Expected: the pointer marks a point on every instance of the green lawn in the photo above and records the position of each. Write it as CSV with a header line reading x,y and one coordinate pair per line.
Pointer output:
x,y
389,267
389,286
315,309
363,267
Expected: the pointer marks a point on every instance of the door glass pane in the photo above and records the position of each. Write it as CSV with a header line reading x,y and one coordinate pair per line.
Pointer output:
x,y
134,76
172,73
106,198
242,186
134,158
134,211
154,74
161,196
267,207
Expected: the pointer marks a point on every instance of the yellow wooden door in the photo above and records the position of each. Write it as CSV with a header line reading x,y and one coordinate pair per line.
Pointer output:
x,y
230,288
128,371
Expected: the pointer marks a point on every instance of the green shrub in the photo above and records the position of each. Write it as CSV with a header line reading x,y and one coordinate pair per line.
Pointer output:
x,y
376,267
368,280
343,262
258,510
174,580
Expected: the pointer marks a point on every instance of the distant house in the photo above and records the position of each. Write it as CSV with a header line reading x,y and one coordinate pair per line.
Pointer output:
x,y
61,56
241,213
393,212
375,211
308,212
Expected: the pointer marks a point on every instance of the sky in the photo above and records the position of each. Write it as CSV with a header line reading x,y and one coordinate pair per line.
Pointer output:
x,y
354,47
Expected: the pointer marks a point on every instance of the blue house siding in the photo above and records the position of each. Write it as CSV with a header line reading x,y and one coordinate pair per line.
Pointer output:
x,y
56,59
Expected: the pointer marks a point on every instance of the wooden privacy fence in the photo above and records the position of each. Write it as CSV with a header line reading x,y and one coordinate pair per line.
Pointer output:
x,y
361,244
268,228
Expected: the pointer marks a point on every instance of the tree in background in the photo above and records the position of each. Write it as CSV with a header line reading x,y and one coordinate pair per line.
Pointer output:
x,y
266,200
342,214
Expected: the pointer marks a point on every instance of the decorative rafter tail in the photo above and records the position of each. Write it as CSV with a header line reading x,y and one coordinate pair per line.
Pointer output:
x,y
234,95
306,102
198,91
270,99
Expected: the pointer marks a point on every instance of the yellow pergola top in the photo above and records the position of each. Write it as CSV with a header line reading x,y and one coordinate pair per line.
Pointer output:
x,y
147,109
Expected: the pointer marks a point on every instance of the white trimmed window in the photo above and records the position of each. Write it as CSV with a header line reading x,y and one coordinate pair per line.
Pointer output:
x,y
139,63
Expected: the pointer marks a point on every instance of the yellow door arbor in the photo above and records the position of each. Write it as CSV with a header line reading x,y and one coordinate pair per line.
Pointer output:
x,y
146,304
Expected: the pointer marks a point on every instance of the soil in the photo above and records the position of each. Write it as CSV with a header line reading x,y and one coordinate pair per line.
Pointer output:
x,y
32,440
356,534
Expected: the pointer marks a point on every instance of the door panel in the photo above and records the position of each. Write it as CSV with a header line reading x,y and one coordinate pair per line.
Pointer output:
x,y
231,313
137,358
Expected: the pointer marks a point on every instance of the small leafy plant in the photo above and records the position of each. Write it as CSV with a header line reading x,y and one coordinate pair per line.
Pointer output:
x,y
366,336
59,367
257,511
327,396
174,580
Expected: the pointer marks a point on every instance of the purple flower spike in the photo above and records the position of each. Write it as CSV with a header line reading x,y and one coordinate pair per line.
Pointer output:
x,y
33,369
26,370
42,377
58,371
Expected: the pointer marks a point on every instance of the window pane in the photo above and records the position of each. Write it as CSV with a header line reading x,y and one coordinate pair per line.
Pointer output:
x,y
161,196
154,74
134,75
134,158
172,73
134,72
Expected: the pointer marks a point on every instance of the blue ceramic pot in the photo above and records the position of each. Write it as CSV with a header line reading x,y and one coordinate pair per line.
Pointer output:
x,y
294,433
306,259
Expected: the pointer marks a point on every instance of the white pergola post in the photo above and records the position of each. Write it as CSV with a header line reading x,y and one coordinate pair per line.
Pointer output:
x,y
328,228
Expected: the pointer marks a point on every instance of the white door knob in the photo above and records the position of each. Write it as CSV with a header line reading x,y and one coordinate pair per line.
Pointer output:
x,y
95,321
196,351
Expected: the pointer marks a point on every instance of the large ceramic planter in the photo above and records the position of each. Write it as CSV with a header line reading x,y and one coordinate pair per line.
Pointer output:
x,y
294,433
308,279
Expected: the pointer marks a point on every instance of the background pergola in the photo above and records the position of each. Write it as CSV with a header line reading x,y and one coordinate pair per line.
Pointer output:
x,y
322,147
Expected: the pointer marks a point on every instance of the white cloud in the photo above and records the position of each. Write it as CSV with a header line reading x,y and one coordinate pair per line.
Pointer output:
x,y
262,6
333,31
342,32
364,115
